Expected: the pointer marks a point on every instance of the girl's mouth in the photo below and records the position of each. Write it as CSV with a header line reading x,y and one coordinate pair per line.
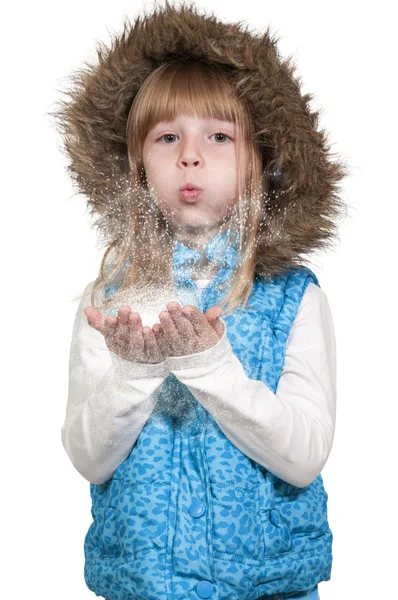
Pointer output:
x,y
190,195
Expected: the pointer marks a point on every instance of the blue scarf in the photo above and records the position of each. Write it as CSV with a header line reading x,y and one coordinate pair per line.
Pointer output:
x,y
221,250
184,259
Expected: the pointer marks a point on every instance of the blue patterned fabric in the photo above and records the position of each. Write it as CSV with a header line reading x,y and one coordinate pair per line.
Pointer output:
x,y
222,250
187,515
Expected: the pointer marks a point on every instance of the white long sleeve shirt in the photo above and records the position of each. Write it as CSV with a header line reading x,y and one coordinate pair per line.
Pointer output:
x,y
290,432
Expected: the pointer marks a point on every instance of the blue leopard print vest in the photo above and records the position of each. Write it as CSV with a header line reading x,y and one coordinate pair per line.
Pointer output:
x,y
187,515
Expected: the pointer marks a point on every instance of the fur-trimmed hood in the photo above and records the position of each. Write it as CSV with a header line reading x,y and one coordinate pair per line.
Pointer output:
x,y
303,213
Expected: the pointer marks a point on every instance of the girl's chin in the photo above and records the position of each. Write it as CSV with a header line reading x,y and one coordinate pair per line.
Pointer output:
x,y
195,229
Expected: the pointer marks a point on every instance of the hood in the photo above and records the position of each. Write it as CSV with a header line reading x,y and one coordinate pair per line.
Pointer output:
x,y
304,205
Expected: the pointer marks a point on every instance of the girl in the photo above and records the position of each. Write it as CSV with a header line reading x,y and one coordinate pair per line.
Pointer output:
x,y
203,438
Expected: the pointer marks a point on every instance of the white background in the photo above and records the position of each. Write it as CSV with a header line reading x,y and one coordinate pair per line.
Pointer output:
x,y
346,55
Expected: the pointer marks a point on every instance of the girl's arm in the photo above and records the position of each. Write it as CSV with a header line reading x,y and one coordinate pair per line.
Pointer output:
x,y
110,400
290,432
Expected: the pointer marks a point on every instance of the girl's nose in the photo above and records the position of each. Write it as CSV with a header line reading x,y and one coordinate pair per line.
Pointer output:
x,y
187,162
190,153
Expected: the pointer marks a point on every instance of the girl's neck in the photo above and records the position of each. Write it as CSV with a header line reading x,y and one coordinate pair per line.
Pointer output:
x,y
203,269
199,240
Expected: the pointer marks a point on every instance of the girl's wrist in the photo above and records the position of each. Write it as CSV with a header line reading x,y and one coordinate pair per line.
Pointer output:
x,y
131,369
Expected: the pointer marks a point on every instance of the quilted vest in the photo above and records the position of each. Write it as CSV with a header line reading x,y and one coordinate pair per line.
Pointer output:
x,y
187,514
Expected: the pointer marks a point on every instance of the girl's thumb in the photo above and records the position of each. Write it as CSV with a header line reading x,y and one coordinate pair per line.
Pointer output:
x,y
218,326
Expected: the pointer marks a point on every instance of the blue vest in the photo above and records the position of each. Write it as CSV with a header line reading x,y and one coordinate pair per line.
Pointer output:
x,y
187,514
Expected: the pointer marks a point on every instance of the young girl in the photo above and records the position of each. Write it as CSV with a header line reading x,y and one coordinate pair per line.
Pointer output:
x,y
203,438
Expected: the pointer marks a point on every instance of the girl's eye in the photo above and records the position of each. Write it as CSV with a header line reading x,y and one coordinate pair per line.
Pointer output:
x,y
171,135
167,135
224,134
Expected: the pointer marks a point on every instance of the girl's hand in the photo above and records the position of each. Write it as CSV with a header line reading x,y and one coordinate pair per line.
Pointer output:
x,y
125,336
187,330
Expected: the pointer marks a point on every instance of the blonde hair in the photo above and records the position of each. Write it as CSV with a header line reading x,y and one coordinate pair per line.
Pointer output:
x,y
142,258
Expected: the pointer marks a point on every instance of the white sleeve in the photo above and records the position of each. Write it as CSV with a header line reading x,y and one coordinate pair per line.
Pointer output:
x,y
290,432
109,401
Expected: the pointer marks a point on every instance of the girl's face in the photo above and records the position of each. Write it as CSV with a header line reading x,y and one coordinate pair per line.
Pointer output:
x,y
197,151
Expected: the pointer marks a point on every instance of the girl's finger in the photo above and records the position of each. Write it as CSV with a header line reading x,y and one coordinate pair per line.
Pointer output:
x,y
199,322
161,340
152,351
213,313
170,331
136,336
123,327
181,322
97,320
123,314
94,318
110,325
218,327
135,324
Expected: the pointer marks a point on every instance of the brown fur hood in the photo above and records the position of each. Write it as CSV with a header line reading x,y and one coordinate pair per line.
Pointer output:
x,y
303,213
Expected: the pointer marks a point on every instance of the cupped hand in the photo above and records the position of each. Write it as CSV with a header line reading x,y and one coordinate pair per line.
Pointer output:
x,y
186,330
125,336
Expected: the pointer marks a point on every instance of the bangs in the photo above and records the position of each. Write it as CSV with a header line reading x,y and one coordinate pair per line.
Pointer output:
x,y
192,88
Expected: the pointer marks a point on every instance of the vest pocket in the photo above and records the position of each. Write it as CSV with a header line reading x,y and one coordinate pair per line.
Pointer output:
x,y
277,537
235,526
276,534
304,509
